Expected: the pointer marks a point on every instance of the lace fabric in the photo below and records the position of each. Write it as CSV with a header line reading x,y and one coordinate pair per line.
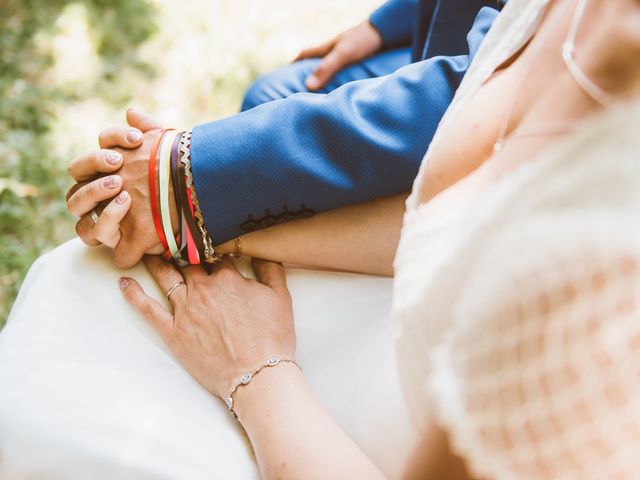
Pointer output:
x,y
517,323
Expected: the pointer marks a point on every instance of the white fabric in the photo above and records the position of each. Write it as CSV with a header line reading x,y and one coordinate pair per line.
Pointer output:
x,y
517,308
88,390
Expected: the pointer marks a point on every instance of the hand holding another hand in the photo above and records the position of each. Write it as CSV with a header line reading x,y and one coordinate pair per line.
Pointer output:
x,y
126,223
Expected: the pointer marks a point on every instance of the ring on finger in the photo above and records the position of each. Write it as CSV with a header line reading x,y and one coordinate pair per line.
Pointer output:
x,y
179,284
94,216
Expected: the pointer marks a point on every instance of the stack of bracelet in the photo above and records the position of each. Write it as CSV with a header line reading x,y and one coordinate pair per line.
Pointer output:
x,y
170,165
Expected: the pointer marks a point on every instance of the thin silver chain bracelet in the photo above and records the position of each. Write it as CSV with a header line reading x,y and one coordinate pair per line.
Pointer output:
x,y
246,379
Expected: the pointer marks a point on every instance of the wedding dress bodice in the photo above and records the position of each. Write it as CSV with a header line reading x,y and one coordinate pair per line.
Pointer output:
x,y
516,308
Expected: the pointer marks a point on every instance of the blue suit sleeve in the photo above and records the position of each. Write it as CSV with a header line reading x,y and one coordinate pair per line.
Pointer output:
x,y
395,21
312,153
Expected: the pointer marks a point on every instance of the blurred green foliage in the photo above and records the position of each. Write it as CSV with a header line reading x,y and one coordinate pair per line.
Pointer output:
x,y
31,221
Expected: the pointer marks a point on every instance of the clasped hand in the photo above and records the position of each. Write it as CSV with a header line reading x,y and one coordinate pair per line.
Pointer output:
x,y
116,180
223,324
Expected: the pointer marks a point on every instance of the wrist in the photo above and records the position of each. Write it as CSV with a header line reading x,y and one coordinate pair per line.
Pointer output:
x,y
374,38
266,392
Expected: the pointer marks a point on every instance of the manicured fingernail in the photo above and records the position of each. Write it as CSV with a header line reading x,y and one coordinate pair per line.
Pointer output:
x,y
134,136
123,282
111,182
122,197
113,158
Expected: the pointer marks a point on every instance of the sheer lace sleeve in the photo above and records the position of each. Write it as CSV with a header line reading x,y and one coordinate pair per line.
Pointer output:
x,y
539,376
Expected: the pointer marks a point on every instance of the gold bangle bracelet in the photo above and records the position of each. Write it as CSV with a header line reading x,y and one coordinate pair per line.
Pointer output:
x,y
237,251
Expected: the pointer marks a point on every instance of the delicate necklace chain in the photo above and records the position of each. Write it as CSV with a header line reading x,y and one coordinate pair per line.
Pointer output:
x,y
506,120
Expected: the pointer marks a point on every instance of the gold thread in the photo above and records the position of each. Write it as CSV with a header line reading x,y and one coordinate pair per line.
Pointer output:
x,y
185,148
238,247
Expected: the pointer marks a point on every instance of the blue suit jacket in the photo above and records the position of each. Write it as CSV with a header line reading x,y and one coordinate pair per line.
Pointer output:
x,y
310,153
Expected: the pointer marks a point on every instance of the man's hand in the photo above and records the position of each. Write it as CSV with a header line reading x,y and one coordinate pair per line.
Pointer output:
x,y
348,48
126,223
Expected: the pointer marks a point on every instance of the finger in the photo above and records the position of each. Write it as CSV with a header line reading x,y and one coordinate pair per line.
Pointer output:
x,y
166,276
125,137
88,165
270,274
84,230
127,253
318,51
107,228
225,266
91,194
74,188
330,64
142,120
193,273
152,311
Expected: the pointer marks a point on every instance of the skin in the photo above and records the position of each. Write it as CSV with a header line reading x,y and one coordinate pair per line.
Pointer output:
x,y
349,47
223,325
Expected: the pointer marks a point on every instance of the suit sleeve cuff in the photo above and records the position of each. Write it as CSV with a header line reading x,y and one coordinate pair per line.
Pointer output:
x,y
395,21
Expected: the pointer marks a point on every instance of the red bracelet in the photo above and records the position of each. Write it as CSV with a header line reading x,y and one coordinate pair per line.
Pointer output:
x,y
153,192
192,250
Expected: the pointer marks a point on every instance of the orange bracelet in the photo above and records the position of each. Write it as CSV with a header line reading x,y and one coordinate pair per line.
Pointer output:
x,y
153,191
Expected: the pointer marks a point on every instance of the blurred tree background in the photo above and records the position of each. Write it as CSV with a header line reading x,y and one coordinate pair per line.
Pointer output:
x,y
70,67
32,177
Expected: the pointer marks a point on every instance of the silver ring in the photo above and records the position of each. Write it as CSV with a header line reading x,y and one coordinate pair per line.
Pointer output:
x,y
173,288
94,216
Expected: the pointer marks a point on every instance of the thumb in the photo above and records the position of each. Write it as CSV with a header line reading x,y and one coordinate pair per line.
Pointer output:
x,y
142,120
270,274
328,67
152,311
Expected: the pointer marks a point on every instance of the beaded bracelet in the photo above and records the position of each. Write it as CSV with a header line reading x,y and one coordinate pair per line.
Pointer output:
x,y
246,379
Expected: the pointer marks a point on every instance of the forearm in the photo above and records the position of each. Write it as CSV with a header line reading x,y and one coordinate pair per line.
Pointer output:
x,y
313,152
292,434
358,238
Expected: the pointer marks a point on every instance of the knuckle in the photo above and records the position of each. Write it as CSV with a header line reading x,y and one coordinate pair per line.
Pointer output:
x,y
107,216
147,310
84,232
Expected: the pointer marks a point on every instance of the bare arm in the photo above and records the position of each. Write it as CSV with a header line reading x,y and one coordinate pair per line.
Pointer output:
x,y
358,238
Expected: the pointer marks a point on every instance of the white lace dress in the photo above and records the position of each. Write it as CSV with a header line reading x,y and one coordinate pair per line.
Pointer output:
x,y
517,310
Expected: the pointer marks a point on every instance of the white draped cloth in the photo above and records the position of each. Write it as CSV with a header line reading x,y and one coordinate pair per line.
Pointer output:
x,y
515,317
89,391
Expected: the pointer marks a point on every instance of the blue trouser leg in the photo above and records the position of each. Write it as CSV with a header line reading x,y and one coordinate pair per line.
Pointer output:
x,y
285,81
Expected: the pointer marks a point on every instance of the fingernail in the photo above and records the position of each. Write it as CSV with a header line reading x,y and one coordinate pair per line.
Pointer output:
x,y
312,82
123,282
113,158
122,197
111,182
134,136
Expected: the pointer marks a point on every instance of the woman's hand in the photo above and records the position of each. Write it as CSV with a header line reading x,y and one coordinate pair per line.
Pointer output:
x,y
223,325
350,47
